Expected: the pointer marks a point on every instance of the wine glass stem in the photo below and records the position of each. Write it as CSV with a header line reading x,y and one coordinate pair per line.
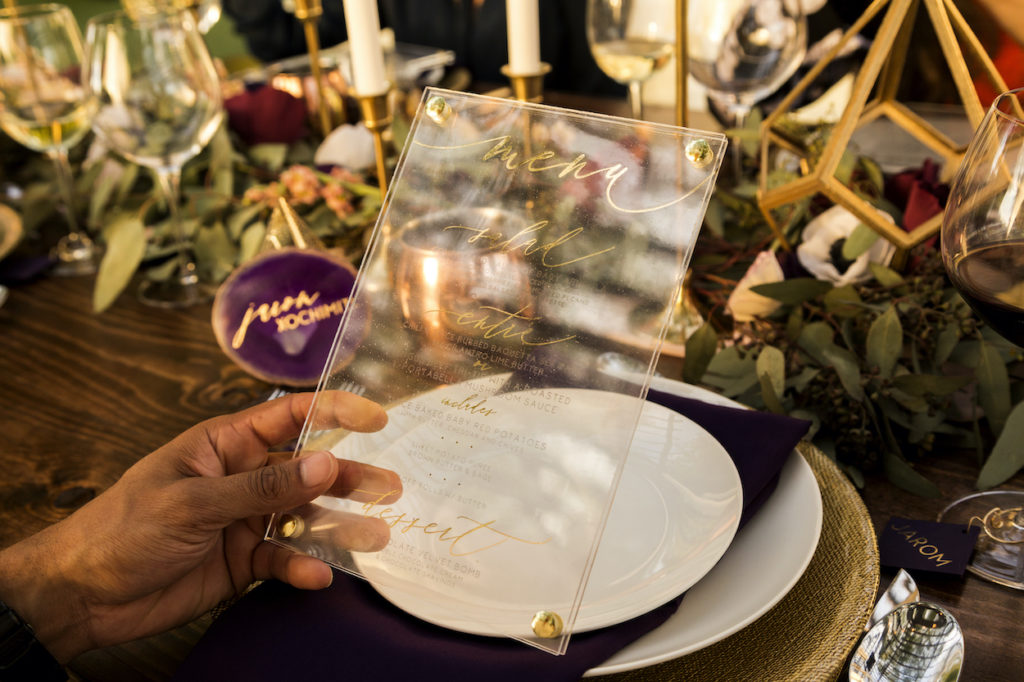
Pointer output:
x,y
740,114
170,182
64,183
636,100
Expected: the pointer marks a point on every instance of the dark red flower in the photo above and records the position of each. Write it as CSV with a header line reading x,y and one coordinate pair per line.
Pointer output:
x,y
918,193
267,115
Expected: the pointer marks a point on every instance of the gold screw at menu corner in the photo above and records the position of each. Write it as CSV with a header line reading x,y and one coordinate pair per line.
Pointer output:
x,y
290,525
699,153
438,110
547,624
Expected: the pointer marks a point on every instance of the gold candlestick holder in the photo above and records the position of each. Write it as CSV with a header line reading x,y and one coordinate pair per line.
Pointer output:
x,y
527,87
377,118
309,13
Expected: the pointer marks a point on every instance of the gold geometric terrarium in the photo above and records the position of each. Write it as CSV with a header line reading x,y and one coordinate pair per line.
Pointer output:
x,y
879,75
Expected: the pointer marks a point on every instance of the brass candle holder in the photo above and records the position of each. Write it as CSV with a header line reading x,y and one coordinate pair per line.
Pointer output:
x,y
527,87
309,13
376,118
682,65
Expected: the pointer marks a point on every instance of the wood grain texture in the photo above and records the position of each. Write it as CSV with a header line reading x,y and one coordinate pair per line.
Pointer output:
x,y
83,396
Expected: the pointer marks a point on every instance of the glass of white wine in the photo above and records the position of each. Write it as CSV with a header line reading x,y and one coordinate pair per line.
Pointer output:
x,y
159,105
44,106
630,40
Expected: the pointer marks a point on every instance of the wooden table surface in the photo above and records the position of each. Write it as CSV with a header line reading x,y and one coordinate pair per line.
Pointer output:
x,y
83,396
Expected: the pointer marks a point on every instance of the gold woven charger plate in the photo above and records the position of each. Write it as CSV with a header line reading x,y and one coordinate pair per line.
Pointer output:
x,y
809,634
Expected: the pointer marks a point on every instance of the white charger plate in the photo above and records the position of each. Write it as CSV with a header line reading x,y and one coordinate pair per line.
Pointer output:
x,y
763,563
678,480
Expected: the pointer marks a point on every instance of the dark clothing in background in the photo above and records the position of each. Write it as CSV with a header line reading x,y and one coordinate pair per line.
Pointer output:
x,y
477,35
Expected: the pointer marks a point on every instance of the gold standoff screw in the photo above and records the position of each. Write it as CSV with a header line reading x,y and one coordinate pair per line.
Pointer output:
x,y
290,525
547,624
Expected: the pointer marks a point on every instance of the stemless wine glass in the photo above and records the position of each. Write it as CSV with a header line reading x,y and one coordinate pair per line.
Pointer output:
x,y
159,105
743,50
983,252
44,106
630,40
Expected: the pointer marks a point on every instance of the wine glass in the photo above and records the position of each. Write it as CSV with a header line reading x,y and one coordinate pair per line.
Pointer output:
x,y
159,105
44,106
983,252
205,12
630,40
743,50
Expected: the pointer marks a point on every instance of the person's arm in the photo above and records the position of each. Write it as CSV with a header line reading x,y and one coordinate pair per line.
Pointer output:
x,y
183,529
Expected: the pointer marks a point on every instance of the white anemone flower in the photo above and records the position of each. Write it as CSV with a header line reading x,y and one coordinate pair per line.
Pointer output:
x,y
348,146
820,239
743,304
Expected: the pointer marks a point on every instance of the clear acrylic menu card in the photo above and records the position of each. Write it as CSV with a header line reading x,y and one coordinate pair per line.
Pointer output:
x,y
519,246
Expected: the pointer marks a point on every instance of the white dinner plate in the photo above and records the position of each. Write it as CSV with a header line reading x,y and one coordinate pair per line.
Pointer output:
x,y
764,561
675,513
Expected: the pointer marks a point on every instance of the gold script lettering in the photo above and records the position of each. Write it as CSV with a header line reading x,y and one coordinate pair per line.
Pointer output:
x,y
477,537
503,150
525,242
495,322
266,312
468,405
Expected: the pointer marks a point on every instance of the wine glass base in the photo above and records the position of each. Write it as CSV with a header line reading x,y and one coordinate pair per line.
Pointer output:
x,y
174,293
74,255
998,560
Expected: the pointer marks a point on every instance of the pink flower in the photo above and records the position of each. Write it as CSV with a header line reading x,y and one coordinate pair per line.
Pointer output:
x,y
302,184
267,115
743,304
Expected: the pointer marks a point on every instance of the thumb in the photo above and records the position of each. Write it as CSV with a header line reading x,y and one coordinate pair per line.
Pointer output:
x,y
271,488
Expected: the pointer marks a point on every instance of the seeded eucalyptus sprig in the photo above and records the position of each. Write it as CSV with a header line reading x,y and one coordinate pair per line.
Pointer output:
x,y
885,370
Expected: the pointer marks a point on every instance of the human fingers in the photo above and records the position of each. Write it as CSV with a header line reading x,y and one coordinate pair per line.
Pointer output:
x,y
360,481
298,570
262,491
242,439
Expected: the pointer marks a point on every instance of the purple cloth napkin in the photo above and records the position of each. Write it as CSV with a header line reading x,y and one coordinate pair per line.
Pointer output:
x,y
350,632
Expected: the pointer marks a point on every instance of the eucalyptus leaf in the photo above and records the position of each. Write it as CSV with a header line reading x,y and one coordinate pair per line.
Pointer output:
x,y
700,349
860,240
793,291
993,386
848,369
946,342
238,220
126,243
99,195
727,362
816,338
903,475
930,384
269,155
250,241
885,342
771,365
1007,455
770,395
216,254
843,302
887,277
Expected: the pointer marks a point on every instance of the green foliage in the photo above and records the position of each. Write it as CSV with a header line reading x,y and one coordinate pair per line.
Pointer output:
x,y
885,369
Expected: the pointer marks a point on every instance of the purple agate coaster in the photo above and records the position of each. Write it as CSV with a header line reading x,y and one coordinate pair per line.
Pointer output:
x,y
277,315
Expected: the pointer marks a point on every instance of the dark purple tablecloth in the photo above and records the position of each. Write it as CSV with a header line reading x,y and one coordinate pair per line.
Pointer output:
x,y
349,632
